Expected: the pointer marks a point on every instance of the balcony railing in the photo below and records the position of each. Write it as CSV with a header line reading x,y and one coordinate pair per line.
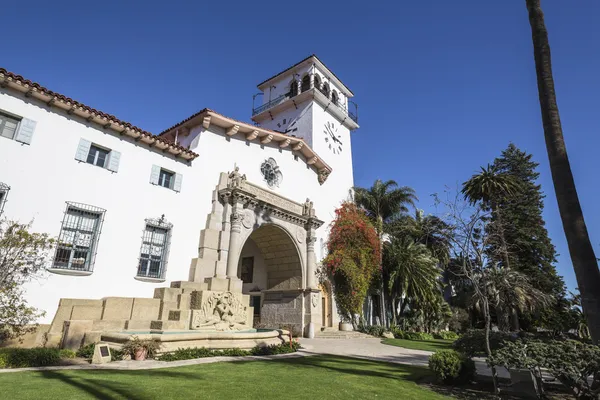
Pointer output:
x,y
271,104
278,100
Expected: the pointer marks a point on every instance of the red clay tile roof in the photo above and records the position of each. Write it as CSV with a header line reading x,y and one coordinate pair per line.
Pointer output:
x,y
7,75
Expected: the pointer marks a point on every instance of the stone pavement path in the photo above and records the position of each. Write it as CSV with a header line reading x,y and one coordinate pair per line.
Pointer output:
x,y
373,349
366,348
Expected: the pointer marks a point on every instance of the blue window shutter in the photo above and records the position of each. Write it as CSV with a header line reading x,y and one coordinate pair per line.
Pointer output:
x,y
25,133
177,184
83,150
155,174
114,157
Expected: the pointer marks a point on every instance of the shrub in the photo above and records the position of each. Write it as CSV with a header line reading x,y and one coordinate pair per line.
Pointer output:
x,y
190,353
570,362
66,353
135,343
86,351
472,343
451,367
446,335
24,358
398,334
374,330
116,355
283,348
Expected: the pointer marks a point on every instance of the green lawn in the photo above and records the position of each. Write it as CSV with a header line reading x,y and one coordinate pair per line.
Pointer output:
x,y
427,345
318,377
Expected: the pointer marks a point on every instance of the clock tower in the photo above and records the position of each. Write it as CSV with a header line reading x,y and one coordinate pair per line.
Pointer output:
x,y
307,100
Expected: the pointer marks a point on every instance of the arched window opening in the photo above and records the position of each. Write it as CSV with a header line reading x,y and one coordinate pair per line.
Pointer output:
x,y
305,83
317,82
334,97
293,88
325,90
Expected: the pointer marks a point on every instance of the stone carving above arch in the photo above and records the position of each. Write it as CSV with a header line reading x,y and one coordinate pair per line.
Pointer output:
x,y
248,219
300,234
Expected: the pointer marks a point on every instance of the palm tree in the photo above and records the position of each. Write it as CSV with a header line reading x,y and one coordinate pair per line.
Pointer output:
x,y
382,202
489,186
413,274
429,230
582,254
511,290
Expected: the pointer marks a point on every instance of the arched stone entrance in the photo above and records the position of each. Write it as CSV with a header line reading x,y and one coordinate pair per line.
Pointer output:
x,y
271,271
251,228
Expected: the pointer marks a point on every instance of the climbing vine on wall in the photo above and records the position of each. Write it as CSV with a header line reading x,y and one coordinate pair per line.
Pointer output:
x,y
353,259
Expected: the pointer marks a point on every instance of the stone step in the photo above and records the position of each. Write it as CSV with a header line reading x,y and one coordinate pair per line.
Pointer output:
x,y
189,286
342,335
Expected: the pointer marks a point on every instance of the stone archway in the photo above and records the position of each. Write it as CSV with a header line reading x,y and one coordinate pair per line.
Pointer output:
x,y
271,271
281,233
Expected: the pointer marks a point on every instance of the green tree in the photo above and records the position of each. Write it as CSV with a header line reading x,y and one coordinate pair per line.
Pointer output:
x,y
353,259
582,254
23,256
413,275
383,202
532,251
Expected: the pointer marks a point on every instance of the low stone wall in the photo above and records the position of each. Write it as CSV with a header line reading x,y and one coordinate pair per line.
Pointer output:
x,y
210,340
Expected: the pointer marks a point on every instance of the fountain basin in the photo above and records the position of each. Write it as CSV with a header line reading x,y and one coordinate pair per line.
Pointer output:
x,y
173,340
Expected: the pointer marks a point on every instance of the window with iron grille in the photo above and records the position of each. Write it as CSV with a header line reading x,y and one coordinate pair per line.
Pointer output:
x,y
78,238
155,249
4,188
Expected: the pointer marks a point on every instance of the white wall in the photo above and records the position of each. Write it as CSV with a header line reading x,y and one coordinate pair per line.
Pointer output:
x,y
45,174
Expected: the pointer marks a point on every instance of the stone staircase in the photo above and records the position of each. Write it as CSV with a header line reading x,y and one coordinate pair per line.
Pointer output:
x,y
330,333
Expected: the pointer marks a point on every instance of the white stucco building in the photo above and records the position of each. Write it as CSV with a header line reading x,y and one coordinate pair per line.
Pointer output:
x,y
131,209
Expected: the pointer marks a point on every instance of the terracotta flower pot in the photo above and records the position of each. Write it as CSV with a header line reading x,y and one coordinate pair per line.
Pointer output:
x,y
140,354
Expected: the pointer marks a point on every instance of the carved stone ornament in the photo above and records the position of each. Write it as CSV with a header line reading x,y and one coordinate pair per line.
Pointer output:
x,y
300,234
315,300
271,173
248,219
221,311
323,175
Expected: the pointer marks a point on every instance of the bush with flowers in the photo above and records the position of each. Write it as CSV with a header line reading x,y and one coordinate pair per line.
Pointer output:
x,y
353,259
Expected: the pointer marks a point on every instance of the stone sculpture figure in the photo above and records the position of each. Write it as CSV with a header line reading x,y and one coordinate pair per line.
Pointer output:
x,y
235,178
221,312
307,208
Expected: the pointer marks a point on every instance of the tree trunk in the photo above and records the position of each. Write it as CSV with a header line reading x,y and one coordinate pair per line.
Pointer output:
x,y
582,254
382,307
488,348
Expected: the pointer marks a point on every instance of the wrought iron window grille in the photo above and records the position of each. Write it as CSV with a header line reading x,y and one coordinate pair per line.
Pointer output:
x,y
154,252
78,238
4,189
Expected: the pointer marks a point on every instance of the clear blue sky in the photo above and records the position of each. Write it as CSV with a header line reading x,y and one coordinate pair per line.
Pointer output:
x,y
443,86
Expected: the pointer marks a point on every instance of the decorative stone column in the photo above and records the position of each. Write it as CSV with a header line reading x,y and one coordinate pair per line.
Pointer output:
x,y
235,237
312,80
311,260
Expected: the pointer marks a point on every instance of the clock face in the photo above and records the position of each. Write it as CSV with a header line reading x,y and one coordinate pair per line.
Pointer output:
x,y
332,137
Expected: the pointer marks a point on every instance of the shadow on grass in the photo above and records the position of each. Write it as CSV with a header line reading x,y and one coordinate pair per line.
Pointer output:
x,y
97,384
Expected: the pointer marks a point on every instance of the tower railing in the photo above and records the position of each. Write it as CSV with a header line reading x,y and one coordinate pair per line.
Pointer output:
x,y
280,99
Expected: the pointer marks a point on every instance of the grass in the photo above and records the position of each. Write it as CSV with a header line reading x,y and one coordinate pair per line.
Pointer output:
x,y
427,345
316,377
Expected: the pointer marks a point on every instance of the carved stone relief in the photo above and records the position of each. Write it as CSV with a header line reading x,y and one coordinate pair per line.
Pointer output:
x,y
221,311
